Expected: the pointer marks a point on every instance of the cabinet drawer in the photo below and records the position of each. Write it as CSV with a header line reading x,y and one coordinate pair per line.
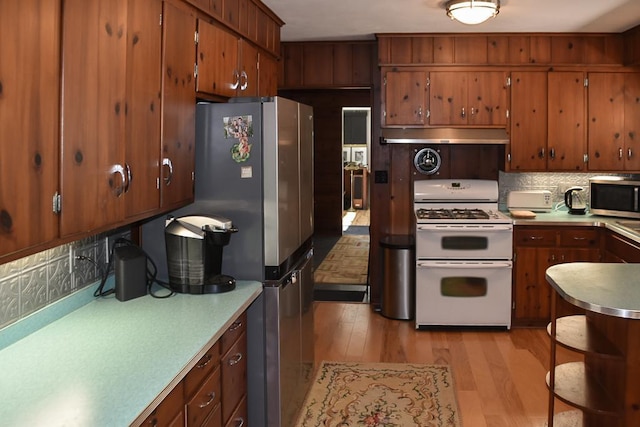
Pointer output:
x,y
205,400
527,236
582,237
167,411
234,376
204,367
239,416
235,330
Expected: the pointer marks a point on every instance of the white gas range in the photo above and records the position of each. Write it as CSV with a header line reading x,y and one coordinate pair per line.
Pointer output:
x,y
464,248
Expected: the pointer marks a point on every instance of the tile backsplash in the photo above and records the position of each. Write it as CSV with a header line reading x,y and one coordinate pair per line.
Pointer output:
x,y
31,283
555,182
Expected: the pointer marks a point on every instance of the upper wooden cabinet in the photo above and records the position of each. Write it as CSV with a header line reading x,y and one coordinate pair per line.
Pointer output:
x,y
404,99
499,49
29,112
528,121
327,65
93,176
477,98
614,121
177,154
566,115
227,65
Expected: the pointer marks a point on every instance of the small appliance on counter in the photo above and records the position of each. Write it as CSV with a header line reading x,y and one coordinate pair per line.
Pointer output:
x,y
575,200
530,200
194,254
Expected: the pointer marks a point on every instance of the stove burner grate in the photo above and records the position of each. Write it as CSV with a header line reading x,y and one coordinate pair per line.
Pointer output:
x,y
451,214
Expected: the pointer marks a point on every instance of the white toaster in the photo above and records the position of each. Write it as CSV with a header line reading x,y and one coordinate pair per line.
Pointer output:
x,y
530,200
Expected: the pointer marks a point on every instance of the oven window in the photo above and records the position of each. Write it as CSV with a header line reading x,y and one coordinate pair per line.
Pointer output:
x,y
463,287
465,243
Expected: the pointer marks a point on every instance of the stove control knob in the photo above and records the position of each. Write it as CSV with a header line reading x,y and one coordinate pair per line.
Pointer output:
x,y
427,161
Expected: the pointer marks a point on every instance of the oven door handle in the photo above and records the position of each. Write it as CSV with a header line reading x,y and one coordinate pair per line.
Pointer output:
x,y
467,227
468,265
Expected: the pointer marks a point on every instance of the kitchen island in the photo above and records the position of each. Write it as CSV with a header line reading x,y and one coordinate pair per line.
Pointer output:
x,y
109,362
606,385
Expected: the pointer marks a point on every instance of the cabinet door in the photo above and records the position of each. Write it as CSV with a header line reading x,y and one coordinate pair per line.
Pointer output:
x,y
29,109
528,121
405,98
93,114
606,121
566,121
267,75
178,107
144,41
448,98
632,121
487,98
531,293
248,70
218,72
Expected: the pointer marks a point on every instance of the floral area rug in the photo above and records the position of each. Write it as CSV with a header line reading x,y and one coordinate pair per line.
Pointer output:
x,y
346,262
381,394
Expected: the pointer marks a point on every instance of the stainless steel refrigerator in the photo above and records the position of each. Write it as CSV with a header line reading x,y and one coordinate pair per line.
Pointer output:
x,y
254,166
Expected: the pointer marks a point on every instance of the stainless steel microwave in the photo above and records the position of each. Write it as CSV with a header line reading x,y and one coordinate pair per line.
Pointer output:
x,y
614,196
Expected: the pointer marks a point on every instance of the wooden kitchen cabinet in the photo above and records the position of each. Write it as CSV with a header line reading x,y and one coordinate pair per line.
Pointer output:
x,y
405,98
477,98
29,126
536,249
528,121
614,121
227,64
214,392
566,121
177,155
617,248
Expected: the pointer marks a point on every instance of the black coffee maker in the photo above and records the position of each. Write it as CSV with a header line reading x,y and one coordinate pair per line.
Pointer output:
x,y
194,253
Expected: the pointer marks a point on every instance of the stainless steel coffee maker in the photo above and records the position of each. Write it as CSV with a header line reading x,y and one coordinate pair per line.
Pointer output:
x,y
194,247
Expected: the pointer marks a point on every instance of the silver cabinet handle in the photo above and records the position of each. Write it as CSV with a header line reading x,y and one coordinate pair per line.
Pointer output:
x,y
541,153
420,111
129,175
629,153
167,162
235,359
236,80
239,422
244,80
205,363
212,396
620,153
463,114
552,153
118,189
235,325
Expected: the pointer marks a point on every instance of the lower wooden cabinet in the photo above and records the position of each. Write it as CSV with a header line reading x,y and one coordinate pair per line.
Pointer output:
x,y
619,249
214,391
536,249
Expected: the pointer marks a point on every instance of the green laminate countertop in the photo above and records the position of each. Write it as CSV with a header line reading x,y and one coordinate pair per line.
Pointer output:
x,y
106,362
608,288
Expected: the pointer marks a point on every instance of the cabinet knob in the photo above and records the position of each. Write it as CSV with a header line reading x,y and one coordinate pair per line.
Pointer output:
x,y
463,114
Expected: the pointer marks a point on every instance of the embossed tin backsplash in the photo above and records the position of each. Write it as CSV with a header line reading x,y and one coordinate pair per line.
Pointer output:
x,y
31,283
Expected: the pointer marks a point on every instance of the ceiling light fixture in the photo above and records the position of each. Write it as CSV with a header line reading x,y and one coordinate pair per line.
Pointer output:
x,y
472,11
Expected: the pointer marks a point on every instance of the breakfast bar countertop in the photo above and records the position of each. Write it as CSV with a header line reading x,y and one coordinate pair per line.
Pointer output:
x,y
106,362
606,288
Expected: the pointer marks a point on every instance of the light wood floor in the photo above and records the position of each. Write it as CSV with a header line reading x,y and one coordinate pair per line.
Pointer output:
x,y
499,375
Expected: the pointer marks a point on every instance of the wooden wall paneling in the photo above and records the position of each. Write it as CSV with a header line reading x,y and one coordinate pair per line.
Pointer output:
x,y
606,49
384,50
540,49
443,50
215,8
342,64
401,50
230,13
401,191
292,65
318,64
567,49
632,46
470,50
262,24
243,16
422,49
252,21
362,64
476,161
498,50
519,49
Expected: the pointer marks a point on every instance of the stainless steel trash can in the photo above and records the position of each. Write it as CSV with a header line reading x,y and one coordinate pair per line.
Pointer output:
x,y
398,277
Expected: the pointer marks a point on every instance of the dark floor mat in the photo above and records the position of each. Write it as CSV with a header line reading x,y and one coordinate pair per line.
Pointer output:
x,y
357,230
346,296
